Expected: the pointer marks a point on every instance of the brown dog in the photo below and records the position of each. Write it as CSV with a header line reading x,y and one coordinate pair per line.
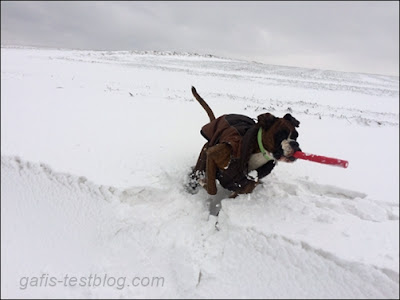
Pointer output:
x,y
238,145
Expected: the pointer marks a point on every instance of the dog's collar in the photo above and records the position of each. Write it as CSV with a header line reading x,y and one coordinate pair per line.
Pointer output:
x,y
261,146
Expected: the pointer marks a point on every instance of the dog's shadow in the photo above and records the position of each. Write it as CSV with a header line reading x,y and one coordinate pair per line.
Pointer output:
x,y
214,202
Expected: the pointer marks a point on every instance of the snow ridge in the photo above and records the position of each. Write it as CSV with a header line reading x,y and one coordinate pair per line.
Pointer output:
x,y
71,217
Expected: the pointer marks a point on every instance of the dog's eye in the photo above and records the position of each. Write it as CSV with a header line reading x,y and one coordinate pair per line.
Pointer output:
x,y
281,135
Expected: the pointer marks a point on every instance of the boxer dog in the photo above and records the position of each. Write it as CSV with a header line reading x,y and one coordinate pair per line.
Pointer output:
x,y
239,151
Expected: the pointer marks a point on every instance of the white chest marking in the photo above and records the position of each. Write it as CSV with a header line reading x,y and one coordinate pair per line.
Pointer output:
x,y
256,160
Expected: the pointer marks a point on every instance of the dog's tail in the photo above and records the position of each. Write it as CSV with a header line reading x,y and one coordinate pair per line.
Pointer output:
x,y
204,104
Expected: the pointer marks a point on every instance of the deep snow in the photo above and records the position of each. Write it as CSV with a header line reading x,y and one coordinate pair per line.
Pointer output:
x,y
96,147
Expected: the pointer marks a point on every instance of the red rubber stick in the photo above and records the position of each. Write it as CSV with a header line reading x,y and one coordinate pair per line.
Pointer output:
x,y
321,159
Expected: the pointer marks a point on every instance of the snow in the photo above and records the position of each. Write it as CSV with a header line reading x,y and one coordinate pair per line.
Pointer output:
x,y
96,148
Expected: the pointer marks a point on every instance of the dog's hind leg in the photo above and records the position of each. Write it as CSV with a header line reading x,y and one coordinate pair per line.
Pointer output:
x,y
196,177
201,162
218,157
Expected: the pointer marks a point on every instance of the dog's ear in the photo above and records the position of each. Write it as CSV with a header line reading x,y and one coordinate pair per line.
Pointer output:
x,y
292,120
266,120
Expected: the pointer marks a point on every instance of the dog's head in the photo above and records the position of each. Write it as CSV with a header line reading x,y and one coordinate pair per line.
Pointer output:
x,y
280,135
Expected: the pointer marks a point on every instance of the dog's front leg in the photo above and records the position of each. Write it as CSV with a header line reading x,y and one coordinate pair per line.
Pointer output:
x,y
265,169
218,157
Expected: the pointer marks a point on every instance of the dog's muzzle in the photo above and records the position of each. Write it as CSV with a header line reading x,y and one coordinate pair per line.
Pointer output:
x,y
289,147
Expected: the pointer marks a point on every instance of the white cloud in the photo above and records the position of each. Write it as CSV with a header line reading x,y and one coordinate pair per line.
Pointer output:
x,y
348,36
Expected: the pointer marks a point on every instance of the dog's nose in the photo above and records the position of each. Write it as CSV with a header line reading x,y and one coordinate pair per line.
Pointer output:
x,y
295,145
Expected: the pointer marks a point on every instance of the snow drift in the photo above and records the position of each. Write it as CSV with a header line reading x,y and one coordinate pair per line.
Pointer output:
x,y
62,225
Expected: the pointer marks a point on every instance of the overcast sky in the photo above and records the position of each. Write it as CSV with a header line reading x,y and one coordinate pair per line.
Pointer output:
x,y
344,36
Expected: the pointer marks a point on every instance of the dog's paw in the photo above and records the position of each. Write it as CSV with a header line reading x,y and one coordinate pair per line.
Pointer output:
x,y
233,195
192,188
194,181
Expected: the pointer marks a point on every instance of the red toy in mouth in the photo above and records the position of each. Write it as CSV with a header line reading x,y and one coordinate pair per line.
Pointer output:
x,y
321,159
